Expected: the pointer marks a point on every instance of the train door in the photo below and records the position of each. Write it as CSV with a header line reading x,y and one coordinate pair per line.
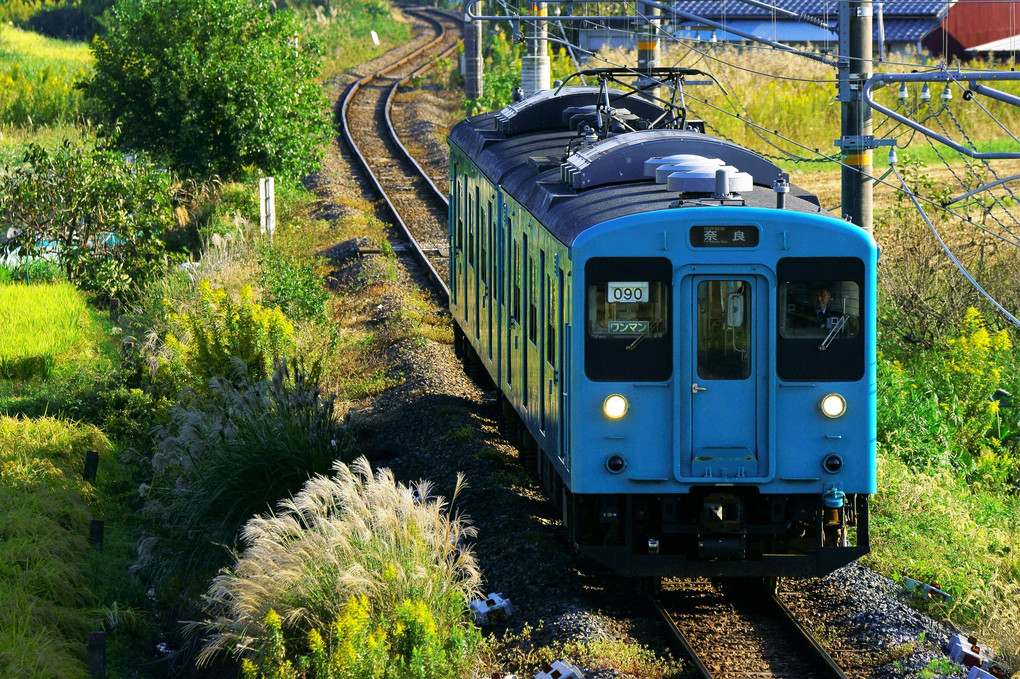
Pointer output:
x,y
726,341
552,321
458,254
528,324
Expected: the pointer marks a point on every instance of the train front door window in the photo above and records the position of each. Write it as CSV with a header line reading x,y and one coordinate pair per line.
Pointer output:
x,y
725,398
724,323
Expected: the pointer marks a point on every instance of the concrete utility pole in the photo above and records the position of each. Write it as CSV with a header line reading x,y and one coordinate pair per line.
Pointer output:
x,y
535,67
472,55
857,141
648,47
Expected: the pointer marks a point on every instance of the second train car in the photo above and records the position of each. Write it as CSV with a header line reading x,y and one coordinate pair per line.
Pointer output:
x,y
682,342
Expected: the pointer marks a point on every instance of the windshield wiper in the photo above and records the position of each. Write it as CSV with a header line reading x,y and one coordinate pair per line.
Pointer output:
x,y
839,325
637,340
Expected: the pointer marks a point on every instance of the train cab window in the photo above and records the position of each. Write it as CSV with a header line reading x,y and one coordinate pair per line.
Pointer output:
x,y
627,303
820,306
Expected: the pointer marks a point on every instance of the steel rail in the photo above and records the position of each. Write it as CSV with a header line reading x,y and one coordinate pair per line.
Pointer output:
x,y
808,639
348,97
441,195
826,666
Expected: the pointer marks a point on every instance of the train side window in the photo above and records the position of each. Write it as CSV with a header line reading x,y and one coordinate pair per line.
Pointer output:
x,y
515,307
532,305
550,327
820,307
628,333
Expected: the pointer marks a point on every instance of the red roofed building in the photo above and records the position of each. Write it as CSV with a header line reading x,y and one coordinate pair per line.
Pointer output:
x,y
975,28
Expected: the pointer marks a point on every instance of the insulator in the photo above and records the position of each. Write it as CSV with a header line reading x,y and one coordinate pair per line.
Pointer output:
x,y
947,93
926,93
903,93
892,155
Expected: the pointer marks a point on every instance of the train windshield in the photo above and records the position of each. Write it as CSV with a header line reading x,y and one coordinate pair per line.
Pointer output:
x,y
821,304
627,324
635,309
820,309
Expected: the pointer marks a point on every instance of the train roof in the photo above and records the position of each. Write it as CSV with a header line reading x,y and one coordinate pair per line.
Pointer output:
x,y
522,149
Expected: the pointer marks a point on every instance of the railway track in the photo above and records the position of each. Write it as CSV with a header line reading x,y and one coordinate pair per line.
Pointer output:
x,y
736,630
418,206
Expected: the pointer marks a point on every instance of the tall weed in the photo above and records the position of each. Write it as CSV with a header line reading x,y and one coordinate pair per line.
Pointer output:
x,y
355,576
936,408
225,456
202,344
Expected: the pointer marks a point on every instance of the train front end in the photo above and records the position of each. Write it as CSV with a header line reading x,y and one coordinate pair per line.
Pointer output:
x,y
723,413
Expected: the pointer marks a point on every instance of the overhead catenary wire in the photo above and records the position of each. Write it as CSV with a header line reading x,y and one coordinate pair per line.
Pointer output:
x,y
766,134
949,253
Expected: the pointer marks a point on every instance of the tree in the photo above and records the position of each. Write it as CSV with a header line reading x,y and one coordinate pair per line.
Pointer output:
x,y
210,86
104,217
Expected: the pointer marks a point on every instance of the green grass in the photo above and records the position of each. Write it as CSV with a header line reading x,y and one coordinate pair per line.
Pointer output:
x,y
54,351
40,325
931,525
37,78
44,555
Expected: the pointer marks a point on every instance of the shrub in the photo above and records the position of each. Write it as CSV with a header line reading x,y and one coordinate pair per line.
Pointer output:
x,y
211,86
937,408
355,576
292,285
103,217
226,456
203,344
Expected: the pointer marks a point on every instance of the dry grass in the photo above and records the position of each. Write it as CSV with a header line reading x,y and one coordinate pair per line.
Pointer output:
x,y
354,534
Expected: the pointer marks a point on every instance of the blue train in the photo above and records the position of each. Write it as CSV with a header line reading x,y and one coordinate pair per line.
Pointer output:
x,y
682,343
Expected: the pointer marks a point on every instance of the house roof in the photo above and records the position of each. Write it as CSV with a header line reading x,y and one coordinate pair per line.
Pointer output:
x,y
815,8
1010,44
789,31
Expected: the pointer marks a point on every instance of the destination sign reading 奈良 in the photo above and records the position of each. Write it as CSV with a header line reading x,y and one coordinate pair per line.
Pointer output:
x,y
724,236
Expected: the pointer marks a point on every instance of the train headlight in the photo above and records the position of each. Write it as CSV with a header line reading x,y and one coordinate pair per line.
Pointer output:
x,y
833,405
615,406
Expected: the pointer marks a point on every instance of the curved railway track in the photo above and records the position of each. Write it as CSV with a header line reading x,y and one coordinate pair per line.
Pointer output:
x,y
737,630
417,204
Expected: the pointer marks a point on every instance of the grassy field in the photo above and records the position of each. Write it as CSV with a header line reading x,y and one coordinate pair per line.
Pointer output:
x,y
37,77
47,335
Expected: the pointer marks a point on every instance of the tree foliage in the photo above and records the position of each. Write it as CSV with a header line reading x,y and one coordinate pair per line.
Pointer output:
x,y
102,216
211,86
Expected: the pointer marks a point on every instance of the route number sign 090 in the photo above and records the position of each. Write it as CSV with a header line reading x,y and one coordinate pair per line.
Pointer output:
x,y
627,291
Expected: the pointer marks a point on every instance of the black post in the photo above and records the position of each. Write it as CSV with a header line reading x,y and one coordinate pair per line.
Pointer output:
x,y
96,533
114,309
856,143
91,466
473,63
97,655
